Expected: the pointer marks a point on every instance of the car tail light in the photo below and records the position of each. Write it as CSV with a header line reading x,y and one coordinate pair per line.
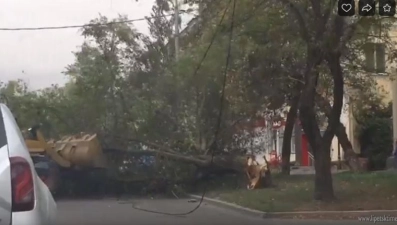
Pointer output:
x,y
22,185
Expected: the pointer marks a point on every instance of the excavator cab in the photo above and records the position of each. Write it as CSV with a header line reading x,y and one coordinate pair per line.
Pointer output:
x,y
38,146
45,167
32,132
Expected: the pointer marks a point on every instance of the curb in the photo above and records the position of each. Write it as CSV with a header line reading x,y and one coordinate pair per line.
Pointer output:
x,y
358,213
274,215
231,206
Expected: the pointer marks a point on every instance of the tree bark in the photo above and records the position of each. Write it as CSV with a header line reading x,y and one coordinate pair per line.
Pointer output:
x,y
289,127
323,187
320,144
350,156
323,179
235,163
318,49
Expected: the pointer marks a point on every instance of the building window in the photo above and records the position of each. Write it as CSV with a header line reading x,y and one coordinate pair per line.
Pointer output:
x,y
375,57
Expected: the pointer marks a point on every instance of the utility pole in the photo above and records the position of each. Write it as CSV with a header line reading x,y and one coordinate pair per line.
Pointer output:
x,y
176,23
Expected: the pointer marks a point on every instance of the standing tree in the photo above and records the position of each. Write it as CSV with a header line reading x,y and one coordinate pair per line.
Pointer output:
x,y
327,37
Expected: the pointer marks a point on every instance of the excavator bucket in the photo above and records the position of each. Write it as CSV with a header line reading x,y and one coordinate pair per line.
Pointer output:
x,y
82,150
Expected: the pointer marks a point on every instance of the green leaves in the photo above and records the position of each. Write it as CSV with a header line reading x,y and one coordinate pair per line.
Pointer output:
x,y
375,135
125,82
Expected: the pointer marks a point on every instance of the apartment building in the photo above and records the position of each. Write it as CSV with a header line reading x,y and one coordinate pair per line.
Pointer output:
x,y
378,66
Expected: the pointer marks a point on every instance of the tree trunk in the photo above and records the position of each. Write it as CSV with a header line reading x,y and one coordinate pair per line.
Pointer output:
x,y
289,127
323,179
320,143
350,156
323,188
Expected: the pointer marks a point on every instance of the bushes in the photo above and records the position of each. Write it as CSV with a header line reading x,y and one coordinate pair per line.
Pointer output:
x,y
376,135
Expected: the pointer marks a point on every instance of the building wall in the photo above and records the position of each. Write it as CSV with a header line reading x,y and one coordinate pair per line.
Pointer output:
x,y
336,148
384,87
266,139
265,142
347,119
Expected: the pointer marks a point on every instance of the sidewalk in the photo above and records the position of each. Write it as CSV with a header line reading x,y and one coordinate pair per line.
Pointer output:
x,y
309,170
334,215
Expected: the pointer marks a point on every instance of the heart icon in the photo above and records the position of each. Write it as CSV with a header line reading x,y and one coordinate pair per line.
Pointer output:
x,y
346,7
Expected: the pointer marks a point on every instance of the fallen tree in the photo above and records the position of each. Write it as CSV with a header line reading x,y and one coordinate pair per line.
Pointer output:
x,y
258,174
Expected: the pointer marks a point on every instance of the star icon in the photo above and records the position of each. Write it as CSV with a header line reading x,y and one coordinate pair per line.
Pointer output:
x,y
387,8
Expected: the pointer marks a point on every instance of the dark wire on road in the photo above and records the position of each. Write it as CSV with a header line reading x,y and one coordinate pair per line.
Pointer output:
x,y
222,98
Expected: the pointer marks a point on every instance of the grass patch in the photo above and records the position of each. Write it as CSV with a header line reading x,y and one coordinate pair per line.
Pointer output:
x,y
369,191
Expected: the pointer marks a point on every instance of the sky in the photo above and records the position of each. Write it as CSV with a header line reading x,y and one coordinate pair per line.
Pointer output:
x,y
39,57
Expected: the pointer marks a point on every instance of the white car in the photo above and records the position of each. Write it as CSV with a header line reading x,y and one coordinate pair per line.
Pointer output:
x,y
24,198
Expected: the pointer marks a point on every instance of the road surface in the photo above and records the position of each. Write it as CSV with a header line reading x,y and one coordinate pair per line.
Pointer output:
x,y
108,211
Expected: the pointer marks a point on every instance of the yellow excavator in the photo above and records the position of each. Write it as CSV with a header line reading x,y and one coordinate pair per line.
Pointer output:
x,y
80,160
70,158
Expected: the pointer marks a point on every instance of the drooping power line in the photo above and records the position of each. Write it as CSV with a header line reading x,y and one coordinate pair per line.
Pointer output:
x,y
220,107
80,26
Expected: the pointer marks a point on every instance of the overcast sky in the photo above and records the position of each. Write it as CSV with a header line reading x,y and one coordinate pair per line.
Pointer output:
x,y
39,57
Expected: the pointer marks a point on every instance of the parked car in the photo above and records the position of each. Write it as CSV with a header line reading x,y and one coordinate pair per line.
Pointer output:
x,y
24,198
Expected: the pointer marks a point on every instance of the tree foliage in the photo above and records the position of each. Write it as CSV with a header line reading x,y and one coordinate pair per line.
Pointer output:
x,y
289,58
375,133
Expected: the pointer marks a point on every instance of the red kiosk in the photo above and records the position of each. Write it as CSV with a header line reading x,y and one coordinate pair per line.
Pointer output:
x,y
305,151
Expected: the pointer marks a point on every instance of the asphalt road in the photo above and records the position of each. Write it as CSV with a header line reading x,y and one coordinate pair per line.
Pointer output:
x,y
104,212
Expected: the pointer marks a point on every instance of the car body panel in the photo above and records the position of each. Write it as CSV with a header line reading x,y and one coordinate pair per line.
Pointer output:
x,y
44,212
5,178
47,170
